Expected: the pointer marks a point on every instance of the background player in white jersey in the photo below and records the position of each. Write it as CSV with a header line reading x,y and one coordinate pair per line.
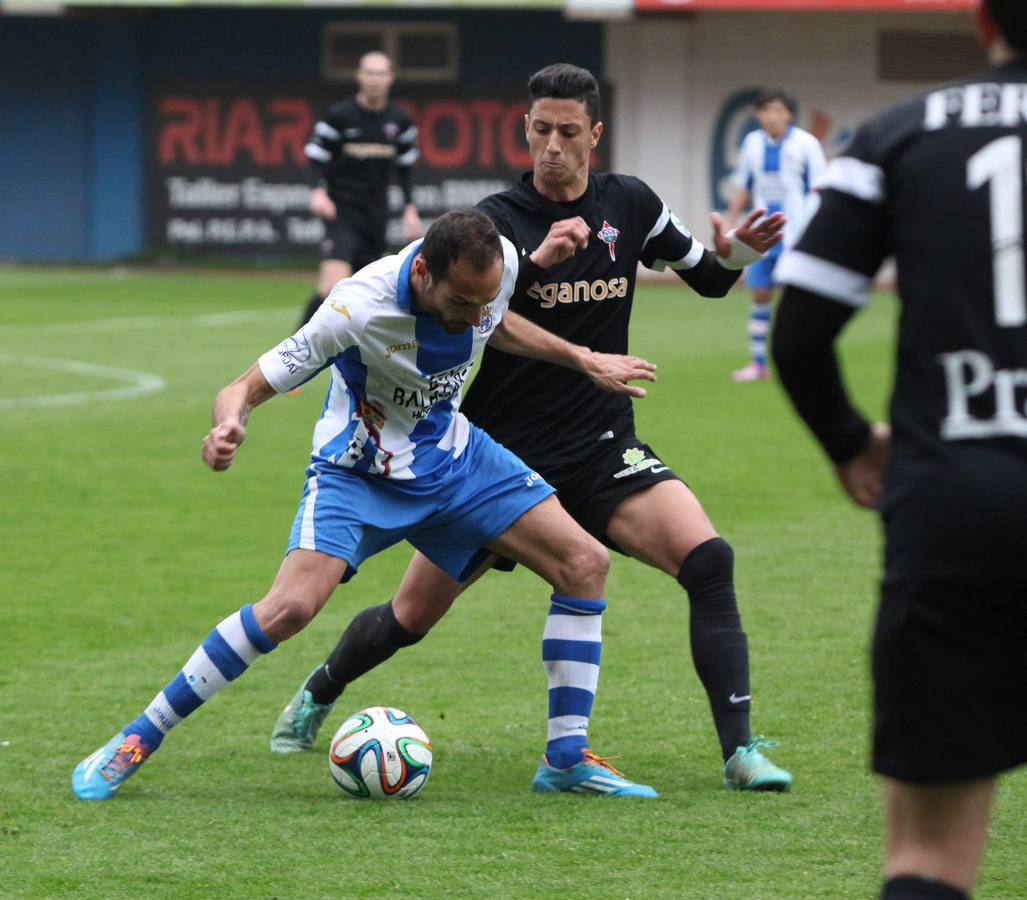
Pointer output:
x,y
393,458
356,146
950,642
778,164
611,482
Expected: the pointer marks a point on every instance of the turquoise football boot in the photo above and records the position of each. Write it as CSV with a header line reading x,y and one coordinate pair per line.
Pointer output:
x,y
300,721
593,775
100,774
750,770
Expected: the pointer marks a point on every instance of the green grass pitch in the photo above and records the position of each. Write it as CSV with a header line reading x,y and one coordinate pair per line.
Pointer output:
x,y
119,551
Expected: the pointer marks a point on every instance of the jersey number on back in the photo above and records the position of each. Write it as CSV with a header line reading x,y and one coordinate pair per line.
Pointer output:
x,y
1000,163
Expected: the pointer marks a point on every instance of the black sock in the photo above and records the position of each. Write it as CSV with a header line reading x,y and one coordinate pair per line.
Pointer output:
x,y
913,887
371,638
313,305
720,650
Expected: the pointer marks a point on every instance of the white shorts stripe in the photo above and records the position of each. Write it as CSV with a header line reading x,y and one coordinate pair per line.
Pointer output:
x,y
568,673
573,628
825,278
231,629
853,176
307,529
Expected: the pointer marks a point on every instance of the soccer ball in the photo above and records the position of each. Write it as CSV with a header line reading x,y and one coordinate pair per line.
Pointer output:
x,y
380,753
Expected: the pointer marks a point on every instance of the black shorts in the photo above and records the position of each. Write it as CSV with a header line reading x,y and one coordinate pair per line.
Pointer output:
x,y
950,668
591,494
355,242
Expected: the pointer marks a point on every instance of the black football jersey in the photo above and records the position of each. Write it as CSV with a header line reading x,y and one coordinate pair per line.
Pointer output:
x,y
551,416
354,151
938,181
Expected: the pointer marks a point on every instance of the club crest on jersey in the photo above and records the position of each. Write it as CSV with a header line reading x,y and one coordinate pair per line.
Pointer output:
x,y
391,130
486,320
609,235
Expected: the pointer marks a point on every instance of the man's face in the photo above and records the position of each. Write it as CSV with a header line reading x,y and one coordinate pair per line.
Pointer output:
x,y
457,300
561,139
774,118
374,76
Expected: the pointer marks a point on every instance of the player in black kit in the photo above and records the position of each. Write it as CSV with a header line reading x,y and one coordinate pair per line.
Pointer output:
x,y
579,437
950,646
355,147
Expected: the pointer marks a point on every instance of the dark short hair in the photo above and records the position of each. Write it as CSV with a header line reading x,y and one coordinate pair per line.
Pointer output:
x,y
563,81
466,234
772,94
1011,18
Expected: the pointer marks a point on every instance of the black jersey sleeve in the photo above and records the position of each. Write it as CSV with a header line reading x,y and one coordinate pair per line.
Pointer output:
x,y
670,244
840,251
407,152
848,235
325,142
805,329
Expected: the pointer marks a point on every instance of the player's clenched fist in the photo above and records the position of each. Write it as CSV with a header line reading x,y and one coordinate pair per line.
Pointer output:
x,y
221,442
565,237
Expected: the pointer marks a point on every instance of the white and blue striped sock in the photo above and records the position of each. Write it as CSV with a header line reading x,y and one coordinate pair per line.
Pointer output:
x,y
571,646
759,328
222,657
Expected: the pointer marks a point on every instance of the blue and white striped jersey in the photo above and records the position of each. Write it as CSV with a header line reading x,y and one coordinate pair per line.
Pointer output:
x,y
780,174
392,408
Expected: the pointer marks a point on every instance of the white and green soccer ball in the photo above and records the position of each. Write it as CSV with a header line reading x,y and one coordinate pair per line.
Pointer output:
x,y
379,753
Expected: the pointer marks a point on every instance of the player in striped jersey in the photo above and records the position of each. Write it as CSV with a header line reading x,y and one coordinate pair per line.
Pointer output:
x,y
356,146
778,164
938,182
394,458
583,440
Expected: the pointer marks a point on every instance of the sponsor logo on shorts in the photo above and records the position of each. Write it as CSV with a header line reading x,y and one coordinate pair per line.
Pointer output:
x,y
636,461
395,348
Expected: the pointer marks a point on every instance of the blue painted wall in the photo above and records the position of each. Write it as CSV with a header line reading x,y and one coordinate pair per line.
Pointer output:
x,y
72,90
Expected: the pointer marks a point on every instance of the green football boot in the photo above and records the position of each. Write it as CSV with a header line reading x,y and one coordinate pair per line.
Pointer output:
x,y
300,721
750,770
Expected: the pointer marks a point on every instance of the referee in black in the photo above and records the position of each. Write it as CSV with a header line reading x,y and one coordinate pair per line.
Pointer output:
x,y
950,476
355,147
577,436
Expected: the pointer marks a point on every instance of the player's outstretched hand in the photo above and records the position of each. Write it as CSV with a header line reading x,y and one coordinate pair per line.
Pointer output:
x,y
221,442
612,372
321,205
756,232
565,238
863,476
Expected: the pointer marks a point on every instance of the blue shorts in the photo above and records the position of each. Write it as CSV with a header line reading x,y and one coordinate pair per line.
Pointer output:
x,y
761,273
353,516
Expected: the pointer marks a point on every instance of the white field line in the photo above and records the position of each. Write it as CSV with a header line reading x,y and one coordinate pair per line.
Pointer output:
x,y
139,383
122,323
